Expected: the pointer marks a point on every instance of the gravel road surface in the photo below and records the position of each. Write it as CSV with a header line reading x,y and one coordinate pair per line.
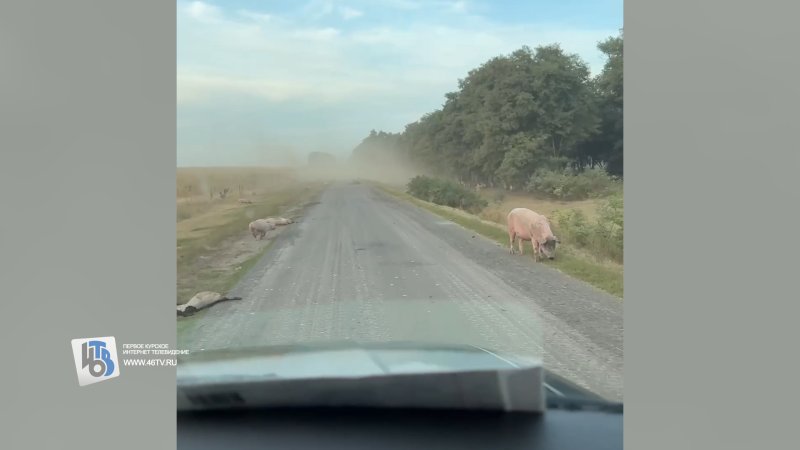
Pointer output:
x,y
364,266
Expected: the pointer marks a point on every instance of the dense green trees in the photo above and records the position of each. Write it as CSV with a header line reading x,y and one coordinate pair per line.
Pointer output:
x,y
516,114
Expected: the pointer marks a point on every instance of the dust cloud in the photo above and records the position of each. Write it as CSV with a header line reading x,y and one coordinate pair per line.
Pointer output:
x,y
387,170
229,183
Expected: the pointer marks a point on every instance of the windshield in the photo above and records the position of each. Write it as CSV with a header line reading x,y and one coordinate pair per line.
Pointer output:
x,y
444,176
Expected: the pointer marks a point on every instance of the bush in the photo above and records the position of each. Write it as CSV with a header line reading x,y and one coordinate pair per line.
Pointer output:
x,y
447,193
569,184
573,227
420,186
610,227
603,238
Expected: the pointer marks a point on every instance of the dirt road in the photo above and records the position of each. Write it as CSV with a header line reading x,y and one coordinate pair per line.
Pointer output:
x,y
364,266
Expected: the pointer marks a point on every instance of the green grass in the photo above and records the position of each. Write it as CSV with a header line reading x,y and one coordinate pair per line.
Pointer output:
x,y
605,276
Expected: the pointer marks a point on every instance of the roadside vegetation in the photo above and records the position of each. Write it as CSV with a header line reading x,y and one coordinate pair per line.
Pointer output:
x,y
584,260
445,192
572,184
530,129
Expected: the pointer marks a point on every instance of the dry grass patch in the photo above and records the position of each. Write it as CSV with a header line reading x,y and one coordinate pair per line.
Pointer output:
x,y
500,203
214,246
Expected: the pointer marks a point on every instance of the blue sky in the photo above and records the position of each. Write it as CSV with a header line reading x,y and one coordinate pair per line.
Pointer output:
x,y
266,82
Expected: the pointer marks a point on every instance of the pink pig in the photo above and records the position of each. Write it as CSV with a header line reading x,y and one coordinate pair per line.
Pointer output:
x,y
531,226
260,227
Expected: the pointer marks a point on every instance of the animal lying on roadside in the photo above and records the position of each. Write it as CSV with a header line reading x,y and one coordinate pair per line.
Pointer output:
x,y
527,225
279,220
258,228
202,300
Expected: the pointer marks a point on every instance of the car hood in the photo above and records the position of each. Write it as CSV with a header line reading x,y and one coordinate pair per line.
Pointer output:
x,y
396,374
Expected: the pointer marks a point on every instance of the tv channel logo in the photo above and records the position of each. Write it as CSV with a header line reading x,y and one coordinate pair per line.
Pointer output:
x,y
95,359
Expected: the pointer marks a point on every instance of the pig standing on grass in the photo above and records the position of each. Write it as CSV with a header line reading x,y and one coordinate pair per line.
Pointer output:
x,y
260,227
531,226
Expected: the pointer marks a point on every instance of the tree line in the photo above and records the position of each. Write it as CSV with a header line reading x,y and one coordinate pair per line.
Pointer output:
x,y
532,110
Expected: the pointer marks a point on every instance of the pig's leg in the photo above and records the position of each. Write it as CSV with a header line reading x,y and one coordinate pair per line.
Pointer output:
x,y
511,237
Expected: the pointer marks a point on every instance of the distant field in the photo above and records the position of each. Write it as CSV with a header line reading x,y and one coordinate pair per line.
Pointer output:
x,y
196,185
214,247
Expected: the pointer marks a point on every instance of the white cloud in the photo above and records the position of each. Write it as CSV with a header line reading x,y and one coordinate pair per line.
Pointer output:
x,y
459,6
269,55
195,87
421,57
348,13
318,8
198,87
316,34
203,12
255,16
402,4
